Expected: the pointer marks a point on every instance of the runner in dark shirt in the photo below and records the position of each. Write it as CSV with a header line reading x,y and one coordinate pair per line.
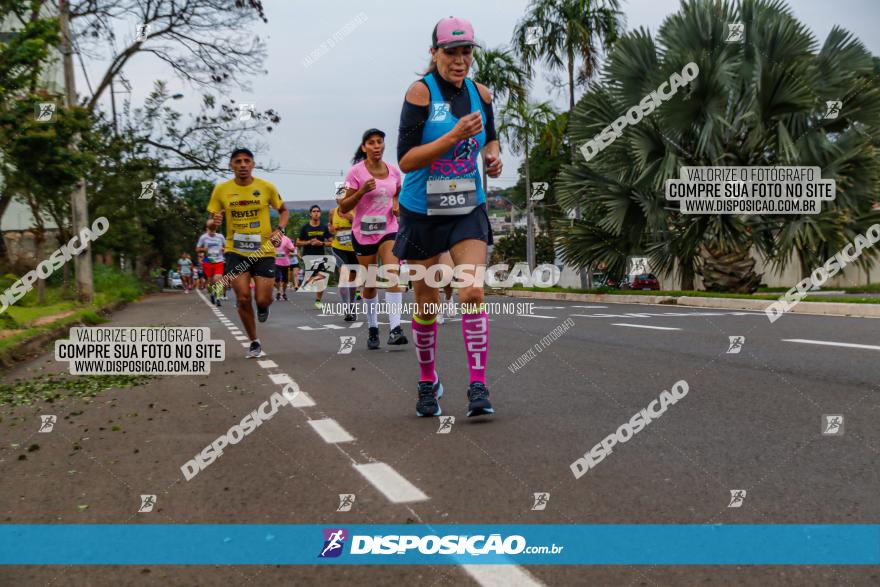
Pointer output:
x,y
313,237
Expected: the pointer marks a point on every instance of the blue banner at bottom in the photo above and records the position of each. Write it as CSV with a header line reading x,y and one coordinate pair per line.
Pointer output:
x,y
229,544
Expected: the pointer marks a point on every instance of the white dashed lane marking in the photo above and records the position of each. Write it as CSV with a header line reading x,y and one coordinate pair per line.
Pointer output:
x,y
280,378
330,431
501,576
302,400
384,478
390,483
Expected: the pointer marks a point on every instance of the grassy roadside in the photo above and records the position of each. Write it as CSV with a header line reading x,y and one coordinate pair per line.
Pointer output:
x,y
870,288
28,319
767,295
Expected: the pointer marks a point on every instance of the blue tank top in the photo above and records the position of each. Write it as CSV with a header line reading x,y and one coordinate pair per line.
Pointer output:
x,y
459,164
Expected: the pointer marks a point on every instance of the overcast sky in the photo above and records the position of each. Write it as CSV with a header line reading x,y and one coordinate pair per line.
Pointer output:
x,y
360,83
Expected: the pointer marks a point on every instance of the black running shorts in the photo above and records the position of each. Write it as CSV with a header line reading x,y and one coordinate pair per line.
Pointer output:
x,y
344,257
257,266
364,250
421,236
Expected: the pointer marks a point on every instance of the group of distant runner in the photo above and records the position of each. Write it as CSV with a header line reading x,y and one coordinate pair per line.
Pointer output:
x,y
435,214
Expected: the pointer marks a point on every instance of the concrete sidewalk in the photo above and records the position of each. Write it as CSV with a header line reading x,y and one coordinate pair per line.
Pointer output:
x,y
816,308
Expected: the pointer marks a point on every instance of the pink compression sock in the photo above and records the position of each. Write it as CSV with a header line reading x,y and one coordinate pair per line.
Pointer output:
x,y
475,328
425,336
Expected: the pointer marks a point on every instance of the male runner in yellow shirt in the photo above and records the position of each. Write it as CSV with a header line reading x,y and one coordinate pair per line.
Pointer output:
x,y
244,203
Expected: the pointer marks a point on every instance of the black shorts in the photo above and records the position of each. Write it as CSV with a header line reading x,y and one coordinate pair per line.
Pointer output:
x,y
368,250
421,236
282,273
257,266
344,257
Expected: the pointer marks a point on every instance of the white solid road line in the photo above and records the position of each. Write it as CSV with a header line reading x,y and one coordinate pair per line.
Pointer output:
x,y
267,364
644,326
390,483
667,314
851,345
537,316
330,431
590,307
241,338
501,576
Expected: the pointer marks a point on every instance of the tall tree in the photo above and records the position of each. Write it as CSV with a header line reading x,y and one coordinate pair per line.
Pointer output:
x,y
572,35
40,167
762,102
498,70
24,54
207,43
548,156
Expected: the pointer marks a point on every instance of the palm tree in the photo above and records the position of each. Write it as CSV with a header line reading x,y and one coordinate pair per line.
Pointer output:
x,y
761,102
521,127
498,70
572,34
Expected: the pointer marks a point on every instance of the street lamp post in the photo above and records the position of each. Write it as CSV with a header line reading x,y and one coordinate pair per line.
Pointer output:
x,y
79,212
113,91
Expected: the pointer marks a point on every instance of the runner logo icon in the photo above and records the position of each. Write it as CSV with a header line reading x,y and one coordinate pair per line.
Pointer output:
x,y
737,497
334,542
736,344
440,112
47,423
446,423
465,149
346,501
147,503
540,501
832,424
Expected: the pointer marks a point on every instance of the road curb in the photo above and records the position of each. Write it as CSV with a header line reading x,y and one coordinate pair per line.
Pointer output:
x,y
820,308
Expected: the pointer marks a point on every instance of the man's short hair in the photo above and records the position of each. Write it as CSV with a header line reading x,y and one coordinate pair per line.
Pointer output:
x,y
313,207
239,151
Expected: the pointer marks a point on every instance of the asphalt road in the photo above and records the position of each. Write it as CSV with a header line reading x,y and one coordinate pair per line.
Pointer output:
x,y
752,420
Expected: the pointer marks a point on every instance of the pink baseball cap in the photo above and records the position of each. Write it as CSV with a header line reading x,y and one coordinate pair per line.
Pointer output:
x,y
453,32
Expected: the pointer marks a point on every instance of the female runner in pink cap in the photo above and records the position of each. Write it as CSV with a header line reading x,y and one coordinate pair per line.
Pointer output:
x,y
446,123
